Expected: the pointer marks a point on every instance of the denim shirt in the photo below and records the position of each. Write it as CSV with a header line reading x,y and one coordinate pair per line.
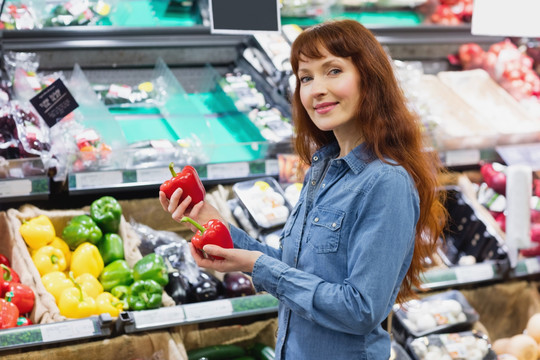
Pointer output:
x,y
345,250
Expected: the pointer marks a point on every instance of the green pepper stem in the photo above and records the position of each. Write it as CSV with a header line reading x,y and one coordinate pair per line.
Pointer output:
x,y
194,223
171,168
54,259
6,273
77,285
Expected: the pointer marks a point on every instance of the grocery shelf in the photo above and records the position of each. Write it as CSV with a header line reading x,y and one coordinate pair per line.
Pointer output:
x,y
135,321
56,333
138,179
484,272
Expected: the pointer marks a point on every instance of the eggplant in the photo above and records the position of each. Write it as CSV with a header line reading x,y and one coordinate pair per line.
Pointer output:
x,y
177,287
237,284
207,288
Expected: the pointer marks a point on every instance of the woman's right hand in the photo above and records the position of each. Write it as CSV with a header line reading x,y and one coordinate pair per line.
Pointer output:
x,y
201,212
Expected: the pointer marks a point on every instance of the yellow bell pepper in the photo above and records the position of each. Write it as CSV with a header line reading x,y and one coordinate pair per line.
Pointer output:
x,y
75,303
86,259
48,258
38,231
56,282
62,245
108,303
90,284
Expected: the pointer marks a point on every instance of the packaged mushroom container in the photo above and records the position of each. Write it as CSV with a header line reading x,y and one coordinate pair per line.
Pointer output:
x,y
264,201
441,313
466,345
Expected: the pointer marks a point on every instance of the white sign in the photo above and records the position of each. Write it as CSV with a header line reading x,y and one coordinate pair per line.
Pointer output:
x,y
506,18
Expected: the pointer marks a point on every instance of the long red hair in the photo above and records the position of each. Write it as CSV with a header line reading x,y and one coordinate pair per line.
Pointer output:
x,y
389,129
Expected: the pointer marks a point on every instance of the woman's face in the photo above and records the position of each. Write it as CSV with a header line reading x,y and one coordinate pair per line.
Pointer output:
x,y
329,92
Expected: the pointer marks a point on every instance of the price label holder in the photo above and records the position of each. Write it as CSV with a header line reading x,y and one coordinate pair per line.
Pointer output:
x,y
100,179
461,157
59,332
164,317
10,188
244,16
227,170
521,154
474,273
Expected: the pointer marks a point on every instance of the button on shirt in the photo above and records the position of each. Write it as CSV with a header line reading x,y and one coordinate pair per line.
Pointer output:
x,y
345,250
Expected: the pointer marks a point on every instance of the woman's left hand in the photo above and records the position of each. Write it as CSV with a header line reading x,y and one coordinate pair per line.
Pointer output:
x,y
233,259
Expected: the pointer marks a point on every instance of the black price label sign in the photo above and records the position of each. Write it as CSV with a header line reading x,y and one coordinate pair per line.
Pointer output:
x,y
244,16
54,102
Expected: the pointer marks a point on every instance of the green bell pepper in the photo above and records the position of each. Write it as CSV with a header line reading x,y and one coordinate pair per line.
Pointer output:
x,y
107,213
151,267
81,229
144,294
116,273
121,293
111,248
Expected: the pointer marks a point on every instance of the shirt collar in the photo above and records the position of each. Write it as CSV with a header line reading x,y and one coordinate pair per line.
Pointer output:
x,y
357,159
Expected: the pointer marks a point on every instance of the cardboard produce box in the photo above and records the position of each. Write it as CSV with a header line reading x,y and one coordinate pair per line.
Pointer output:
x,y
190,337
155,345
46,310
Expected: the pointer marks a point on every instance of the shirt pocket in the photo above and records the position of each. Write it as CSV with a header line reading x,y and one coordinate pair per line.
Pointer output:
x,y
325,229
289,224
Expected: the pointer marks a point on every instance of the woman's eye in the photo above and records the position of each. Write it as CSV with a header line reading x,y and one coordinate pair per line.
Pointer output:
x,y
305,79
335,71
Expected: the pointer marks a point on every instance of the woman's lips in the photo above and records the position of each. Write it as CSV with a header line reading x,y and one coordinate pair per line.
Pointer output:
x,y
325,107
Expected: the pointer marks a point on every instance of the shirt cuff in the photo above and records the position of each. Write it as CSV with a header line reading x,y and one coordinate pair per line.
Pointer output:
x,y
267,272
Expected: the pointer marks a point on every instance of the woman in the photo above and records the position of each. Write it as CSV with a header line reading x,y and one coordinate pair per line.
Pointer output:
x,y
369,213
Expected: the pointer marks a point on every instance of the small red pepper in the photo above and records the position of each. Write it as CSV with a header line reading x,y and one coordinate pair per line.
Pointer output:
x,y
24,321
7,276
8,314
4,260
493,178
22,296
188,180
213,232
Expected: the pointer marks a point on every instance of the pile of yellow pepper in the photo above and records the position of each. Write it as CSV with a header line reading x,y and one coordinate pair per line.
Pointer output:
x,y
71,277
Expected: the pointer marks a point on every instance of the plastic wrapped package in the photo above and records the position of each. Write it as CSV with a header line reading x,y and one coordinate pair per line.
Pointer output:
x,y
264,201
462,345
441,313
20,15
78,12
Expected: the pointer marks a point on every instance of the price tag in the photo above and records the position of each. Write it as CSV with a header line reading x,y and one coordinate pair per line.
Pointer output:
x,y
54,102
272,167
479,272
228,170
244,16
161,316
462,157
154,175
15,187
67,330
98,179
204,311
532,265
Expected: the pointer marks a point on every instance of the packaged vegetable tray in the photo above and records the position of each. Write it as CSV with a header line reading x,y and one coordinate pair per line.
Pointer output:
x,y
449,346
46,309
441,313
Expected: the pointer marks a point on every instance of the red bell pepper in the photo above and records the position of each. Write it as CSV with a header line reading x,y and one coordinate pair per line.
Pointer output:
x,y
213,232
493,178
7,276
8,314
24,321
22,296
188,180
4,260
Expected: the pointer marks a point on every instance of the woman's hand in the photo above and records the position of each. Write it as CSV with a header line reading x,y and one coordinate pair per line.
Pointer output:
x,y
233,259
200,212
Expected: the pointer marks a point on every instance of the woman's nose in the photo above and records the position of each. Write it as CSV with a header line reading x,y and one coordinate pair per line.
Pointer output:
x,y
318,87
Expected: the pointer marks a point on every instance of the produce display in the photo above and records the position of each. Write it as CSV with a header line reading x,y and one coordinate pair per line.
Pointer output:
x,y
16,299
264,200
491,194
256,351
441,313
521,346
463,345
